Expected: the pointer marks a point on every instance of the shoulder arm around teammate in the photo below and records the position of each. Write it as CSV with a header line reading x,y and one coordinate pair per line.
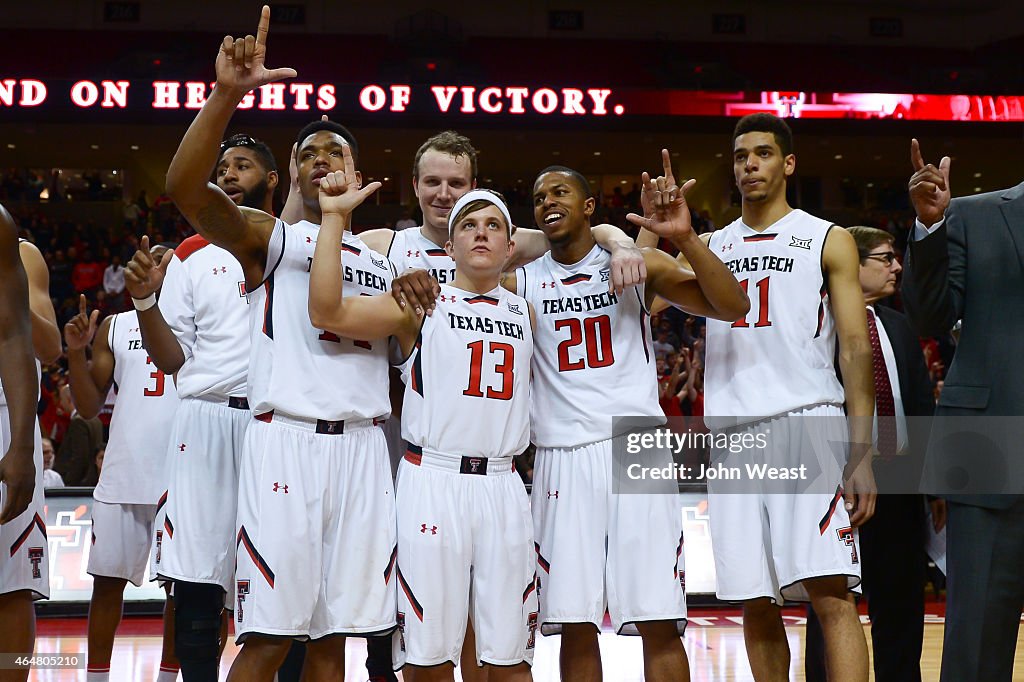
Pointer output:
x,y
707,289
90,380
45,334
379,239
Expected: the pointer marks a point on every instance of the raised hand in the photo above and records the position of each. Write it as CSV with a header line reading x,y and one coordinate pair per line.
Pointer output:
x,y
80,329
667,213
340,191
929,186
240,61
143,275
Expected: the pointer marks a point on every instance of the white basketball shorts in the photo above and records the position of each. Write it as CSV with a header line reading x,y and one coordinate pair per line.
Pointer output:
x,y
465,546
24,556
766,541
122,535
194,536
315,538
598,550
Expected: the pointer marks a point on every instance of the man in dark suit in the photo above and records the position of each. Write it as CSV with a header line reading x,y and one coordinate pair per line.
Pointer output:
x,y
892,543
965,261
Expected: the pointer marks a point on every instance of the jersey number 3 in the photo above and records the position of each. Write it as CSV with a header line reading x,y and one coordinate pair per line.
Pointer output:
x,y
158,378
503,369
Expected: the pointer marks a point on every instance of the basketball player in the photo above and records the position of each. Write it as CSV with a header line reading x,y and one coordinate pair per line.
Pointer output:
x,y
459,535
200,332
24,572
314,477
770,547
593,360
124,501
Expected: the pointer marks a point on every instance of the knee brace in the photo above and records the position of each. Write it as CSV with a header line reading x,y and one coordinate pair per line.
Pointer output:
x,y
197,616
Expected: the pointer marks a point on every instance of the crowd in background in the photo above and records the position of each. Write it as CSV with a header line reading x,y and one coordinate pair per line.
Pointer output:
x,y
86,258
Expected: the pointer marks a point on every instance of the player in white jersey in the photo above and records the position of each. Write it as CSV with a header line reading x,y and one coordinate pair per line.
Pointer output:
x,y
315,431
24,572
200,332
464,532
124,501
803,275
593,360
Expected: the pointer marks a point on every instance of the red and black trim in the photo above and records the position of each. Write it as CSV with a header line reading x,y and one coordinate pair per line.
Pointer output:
x,y
161,502
643,332
268,307
414,454
827,518
416,375
417,608
679,553
576,279
391,564
36,522
530,588
436,252
243,539
351,249
190,246
482,299
169,527
761,237
821,311
541,561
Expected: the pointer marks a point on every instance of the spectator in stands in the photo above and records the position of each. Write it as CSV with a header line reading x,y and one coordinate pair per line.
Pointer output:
x,y
76,456
113,277
60,276
51,479
662,345
87,275
406,220
55,406
131,213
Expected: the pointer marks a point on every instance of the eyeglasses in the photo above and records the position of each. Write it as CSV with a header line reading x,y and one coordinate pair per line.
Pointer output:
x,y
238,141
888,257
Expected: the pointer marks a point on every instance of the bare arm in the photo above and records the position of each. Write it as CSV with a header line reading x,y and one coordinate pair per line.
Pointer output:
x,y
89,381
364,318
244,233
144,277
17,371
841,265
379,240
45,335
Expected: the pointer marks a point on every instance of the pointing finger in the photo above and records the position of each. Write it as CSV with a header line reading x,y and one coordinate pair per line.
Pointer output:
x,y
82,307
264,27
915,154
666,163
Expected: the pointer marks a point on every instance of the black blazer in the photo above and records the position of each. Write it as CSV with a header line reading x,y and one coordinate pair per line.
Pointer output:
x,y
972,269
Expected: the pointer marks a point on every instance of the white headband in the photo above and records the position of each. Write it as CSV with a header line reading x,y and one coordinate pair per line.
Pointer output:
x,y
476,195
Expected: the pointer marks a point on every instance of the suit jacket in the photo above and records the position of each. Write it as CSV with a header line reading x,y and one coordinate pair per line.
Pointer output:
x,y
972,269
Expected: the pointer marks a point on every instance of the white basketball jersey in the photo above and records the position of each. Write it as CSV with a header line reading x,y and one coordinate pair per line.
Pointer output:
x,y
410,249
594,358
203,301
780,356
305,372
467,381
133,465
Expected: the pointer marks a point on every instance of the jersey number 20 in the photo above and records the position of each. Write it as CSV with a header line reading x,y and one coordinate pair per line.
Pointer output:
x,y
595,333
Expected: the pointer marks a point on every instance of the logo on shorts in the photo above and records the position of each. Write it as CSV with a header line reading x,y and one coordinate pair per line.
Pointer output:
x,y
682,581
401,630
424,528
553,493
800,243
846,537
531,625
243,589
159,544
280,488
35,555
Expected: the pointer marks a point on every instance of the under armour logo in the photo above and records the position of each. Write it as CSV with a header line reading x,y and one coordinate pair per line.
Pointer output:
x,y
545,285
408,254
801,243
181,448
727,247
282,488
35,555
553,493
424,528
219,270
309,240
444,299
